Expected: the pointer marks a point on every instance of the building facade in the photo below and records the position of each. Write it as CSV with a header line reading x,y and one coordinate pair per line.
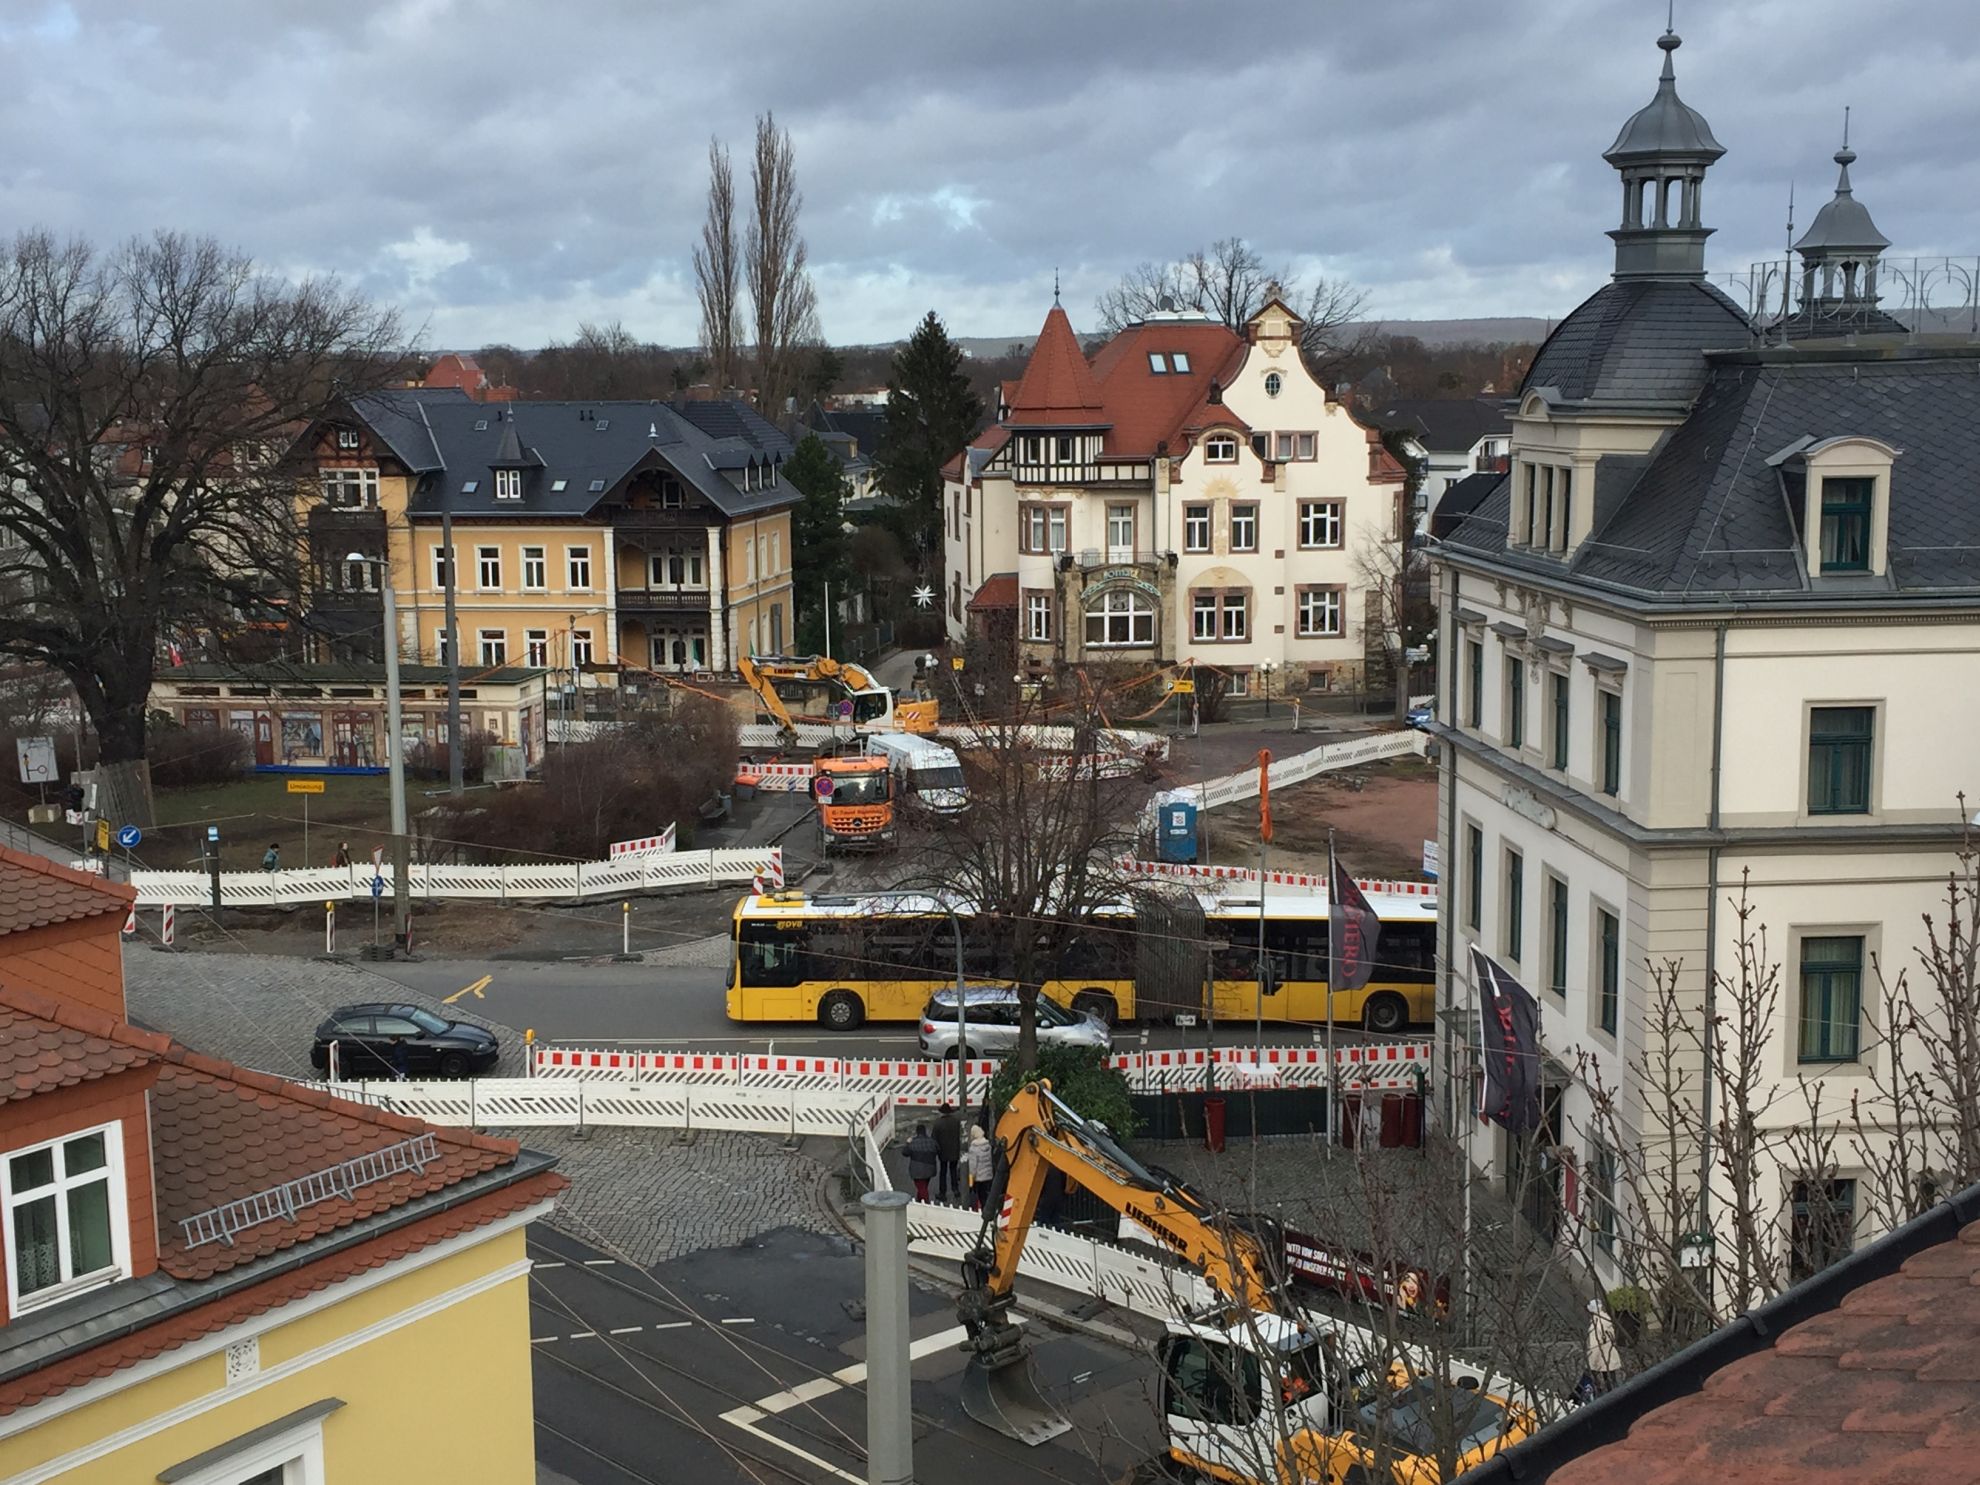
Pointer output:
x,y
138,1343
600,540
1191,495
1712,638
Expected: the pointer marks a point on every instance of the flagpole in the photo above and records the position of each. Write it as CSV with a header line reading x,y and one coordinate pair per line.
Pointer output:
x,y
1470,1128
1334,1125
1264,839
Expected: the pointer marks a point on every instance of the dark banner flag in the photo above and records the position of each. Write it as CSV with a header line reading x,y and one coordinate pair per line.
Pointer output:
x,y
1509,1041
1353,931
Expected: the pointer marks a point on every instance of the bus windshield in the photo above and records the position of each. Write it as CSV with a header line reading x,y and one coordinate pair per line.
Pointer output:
x,y
859,788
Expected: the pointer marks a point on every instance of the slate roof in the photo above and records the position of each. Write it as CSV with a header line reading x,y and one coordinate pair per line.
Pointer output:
x,y
1637,343
36,892
1866,1372
1708,516
567,448
1461,499
1445,424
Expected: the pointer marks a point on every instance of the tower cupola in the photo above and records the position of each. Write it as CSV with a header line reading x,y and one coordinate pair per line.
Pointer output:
x,y
1840,249
1662,155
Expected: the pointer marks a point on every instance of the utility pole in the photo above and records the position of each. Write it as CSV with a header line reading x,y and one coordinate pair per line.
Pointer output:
x,y
395,746
456,745
889,1416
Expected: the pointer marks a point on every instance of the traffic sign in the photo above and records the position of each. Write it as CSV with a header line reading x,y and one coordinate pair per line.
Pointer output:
x,y
844,710
102,835
36,757
305,786
378,886
1182,688
128,836
822,786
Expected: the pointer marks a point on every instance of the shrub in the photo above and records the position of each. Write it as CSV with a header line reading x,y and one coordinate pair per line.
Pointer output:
x,y
1081,1079
182,757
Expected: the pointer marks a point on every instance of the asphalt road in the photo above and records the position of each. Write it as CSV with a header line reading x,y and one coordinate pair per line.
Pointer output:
x,y
682,1007
744,1364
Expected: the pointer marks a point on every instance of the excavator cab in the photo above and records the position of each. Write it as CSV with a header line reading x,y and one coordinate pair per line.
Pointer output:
x,y
1233,1392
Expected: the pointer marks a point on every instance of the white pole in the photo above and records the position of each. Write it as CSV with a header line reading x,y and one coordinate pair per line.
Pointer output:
x,y
1334,1125
395,748
889,1408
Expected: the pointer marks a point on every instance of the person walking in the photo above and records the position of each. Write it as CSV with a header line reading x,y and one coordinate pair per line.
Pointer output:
x,y
343,856
1604,1355
924,1158
271,859
982,1161
948,1142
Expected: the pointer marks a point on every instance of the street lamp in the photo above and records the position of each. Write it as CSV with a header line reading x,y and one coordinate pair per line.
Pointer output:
x,y
1265,683
394,749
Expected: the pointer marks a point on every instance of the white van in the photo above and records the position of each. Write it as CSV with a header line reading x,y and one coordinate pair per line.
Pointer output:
x,y
923,769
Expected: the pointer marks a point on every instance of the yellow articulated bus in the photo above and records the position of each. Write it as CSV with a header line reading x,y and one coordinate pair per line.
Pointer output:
x,y
845,960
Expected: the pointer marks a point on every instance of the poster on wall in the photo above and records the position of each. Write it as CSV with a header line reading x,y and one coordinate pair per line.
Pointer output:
x,y
302,735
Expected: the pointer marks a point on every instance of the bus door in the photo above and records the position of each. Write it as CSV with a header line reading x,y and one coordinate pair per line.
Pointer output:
x,y
1296,950
771,964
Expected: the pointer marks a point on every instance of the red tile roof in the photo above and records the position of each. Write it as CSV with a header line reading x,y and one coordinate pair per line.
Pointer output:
x,y
36,892
1057,389
39,1056
258,1299
1884,1386
1148,408
999,590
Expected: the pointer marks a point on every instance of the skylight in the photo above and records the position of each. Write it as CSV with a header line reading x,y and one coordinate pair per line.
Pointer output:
x,y
481,425
602,424
596,486
470,487
1156,364
1180,361
557,486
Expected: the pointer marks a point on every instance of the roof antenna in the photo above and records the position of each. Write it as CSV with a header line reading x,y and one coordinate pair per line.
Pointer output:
x,y
1845,126
1790,224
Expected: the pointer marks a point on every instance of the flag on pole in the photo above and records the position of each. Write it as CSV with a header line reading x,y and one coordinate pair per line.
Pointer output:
x,y
1509,1042
1353,930
1264,799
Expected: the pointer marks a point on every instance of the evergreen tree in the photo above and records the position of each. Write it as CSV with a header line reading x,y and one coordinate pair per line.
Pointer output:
x,y
931,413
818,538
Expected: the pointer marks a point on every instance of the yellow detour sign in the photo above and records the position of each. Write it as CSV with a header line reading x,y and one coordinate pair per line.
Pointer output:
x,y
102,835
955,662
305,786
1182,688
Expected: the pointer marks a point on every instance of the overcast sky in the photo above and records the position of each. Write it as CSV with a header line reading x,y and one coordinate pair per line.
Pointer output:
x,y
503,170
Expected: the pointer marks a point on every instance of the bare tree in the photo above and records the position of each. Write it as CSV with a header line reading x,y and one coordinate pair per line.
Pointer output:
x,y
718,271
146,396
1230,282
783,304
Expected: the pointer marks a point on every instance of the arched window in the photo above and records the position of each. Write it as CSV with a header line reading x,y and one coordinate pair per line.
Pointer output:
x,y
1119,618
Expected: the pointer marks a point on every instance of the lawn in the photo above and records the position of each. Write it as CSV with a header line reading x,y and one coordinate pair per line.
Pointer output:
x,y
259,809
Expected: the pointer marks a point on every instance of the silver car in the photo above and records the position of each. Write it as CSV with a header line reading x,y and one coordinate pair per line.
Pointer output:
x,y
990,1014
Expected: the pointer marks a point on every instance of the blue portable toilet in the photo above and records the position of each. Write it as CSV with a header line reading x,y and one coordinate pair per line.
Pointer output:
x,y
1175,831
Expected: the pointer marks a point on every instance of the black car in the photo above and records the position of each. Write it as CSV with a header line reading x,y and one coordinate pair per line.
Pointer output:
x,y
382,1040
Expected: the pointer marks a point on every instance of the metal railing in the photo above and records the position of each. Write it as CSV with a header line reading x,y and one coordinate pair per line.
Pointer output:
x,y
342,1179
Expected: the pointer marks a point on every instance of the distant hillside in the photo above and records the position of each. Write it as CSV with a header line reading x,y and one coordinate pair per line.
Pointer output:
x,y
1509,329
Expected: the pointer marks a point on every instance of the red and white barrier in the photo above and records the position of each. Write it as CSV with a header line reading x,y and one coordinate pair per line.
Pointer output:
x,y
168,928
771,878
1303,881
645,845
130,922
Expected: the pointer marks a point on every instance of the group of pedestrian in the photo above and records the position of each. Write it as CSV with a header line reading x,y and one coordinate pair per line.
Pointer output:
x,y
940,1154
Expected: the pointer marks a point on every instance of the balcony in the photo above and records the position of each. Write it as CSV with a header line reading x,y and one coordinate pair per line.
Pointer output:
x,y
1088,558
347,518
689,524
670,599
1111,472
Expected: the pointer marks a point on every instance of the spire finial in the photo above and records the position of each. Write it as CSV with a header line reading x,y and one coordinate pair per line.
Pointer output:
x,y
1844,157
1055,284
1845,126
1790,229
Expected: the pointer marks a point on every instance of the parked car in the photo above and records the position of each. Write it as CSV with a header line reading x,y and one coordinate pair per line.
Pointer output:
x,y
1420,717
370,1037
990,1019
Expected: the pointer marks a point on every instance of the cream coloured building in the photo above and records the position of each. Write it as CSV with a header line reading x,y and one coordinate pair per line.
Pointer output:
x,y
1192,494
1719,624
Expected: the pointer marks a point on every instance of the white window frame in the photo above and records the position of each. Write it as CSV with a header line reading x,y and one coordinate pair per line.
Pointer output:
x,y
1220,448
1133,606
1317,597
536,648
487,640
443,563
1235,606
508,484
1197,528
297,1452
535,558
581,650
1038,618
1246,511
577,568
350,489
112,1171
1058,538
488,569
1308,446
1203,616
348,438
1282,449
1316,518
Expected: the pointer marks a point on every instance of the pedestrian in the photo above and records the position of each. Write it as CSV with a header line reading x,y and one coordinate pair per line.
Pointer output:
x,y
400,1068
982,1165
271,859
343,856
924,1158
1604,1355
948,1143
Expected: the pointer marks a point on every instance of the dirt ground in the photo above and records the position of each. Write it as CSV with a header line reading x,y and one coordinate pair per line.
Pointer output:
x,y
1379,830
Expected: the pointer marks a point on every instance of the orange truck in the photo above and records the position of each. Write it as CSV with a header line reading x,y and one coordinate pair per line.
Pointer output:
x,y
855,798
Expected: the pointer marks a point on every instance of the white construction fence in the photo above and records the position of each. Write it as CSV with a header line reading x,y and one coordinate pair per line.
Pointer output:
x,y
557,880
927,1082
1214,793
1214,877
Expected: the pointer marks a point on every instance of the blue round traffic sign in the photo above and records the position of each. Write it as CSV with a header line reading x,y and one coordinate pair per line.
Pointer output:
x,y
128,836
378,886
822,786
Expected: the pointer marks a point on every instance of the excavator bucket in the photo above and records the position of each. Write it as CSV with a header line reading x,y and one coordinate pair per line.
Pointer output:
x,y
1007,1399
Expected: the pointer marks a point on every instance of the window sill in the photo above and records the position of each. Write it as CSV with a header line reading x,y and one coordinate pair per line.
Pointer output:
x,y
56,1294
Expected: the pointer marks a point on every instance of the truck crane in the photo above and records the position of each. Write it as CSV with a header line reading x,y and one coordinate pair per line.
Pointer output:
x,y
1253,1391
875,708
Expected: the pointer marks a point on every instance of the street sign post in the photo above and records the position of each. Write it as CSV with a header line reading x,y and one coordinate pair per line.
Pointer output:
x,y
36,757
377,895
305,787
822,786
128,836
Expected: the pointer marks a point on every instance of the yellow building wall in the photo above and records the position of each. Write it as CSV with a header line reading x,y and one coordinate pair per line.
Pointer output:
x,y
510,607
474,1354
763,582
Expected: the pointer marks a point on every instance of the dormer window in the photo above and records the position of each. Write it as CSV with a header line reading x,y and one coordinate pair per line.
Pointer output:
x,y
347,439
671,497
1846,505
66,1226
1158,363
1179,362
508,484
1220,448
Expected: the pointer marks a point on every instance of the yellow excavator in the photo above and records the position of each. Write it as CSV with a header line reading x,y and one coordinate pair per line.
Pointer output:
x,y
821,686
1254,1391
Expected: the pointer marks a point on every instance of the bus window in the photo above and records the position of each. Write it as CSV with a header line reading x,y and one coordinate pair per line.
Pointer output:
x,y
1298,948
1407,953
770,956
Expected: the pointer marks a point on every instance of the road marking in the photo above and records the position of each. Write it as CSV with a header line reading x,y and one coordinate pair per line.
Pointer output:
x,y
582,1335
475,990
672,1325
749,1416
636,1329
599,1262
541,1264
741,1320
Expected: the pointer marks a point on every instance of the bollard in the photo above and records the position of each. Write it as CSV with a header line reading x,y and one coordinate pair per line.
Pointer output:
x,y
625,928
529,1051
167,928
889,1412
329,928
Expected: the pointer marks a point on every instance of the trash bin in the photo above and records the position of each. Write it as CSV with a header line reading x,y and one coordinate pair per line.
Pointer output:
x,y
1213,1124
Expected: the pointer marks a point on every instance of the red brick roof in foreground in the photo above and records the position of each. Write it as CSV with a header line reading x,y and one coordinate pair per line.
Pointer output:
x,y
257,1299
999,590
1883,1387
39,1056
36,893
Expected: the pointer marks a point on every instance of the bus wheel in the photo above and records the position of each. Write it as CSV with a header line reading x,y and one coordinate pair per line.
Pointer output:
x,y
1385,1013
841,1011
1098,1004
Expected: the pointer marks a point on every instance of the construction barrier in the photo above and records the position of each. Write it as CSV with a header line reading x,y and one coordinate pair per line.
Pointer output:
x,y
563,880
1298,880
663,842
